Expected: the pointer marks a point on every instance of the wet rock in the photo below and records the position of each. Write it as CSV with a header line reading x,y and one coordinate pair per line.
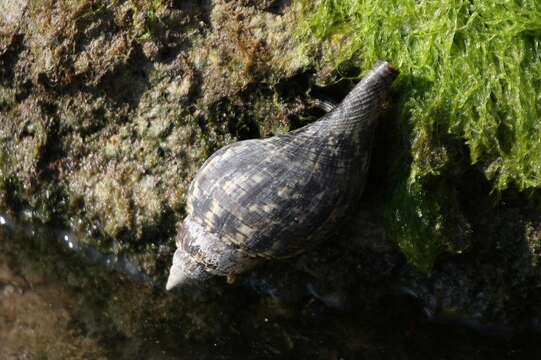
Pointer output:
x,y
36,322
11,12
109,109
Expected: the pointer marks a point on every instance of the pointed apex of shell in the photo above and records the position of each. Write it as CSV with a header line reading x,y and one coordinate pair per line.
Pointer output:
x,y
379,79
184,271
386,70
176,278
375,84
363,104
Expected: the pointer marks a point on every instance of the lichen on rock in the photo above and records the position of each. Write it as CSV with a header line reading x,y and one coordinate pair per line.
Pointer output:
x,y
109,108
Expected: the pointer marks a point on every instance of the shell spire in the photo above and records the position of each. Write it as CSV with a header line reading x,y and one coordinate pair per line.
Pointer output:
x,y
273,198
363,103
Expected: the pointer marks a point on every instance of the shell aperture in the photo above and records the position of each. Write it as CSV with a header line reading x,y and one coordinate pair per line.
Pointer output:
x,y
277,197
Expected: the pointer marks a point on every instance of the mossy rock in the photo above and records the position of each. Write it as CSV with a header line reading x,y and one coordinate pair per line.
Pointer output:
x,y
109,108
469,98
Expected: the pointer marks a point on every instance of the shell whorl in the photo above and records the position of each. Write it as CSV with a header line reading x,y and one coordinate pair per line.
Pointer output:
x,y
362,105
276,197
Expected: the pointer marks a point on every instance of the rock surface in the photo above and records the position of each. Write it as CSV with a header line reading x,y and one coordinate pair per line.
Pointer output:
x,y
108,108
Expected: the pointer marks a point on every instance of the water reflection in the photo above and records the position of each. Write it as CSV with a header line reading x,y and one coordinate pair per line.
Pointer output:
x,y
57,303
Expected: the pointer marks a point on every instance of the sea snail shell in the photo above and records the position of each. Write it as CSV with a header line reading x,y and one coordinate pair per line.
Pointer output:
x,y
276,197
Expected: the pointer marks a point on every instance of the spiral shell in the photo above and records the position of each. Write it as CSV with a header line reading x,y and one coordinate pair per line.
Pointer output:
x,y
277,197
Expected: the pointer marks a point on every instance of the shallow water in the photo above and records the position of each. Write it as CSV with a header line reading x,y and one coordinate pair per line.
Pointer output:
x,y
61,300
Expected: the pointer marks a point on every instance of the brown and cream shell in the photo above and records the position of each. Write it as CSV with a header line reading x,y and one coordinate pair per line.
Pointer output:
x,y
274,198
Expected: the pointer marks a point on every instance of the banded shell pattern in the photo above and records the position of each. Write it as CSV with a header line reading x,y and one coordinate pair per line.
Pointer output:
x,y
277,197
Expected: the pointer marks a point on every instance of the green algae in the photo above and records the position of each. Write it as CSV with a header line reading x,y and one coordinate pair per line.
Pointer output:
x,y
470,80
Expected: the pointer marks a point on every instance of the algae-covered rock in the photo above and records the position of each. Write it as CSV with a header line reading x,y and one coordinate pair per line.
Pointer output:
x,y
469,99
109,108
459,167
